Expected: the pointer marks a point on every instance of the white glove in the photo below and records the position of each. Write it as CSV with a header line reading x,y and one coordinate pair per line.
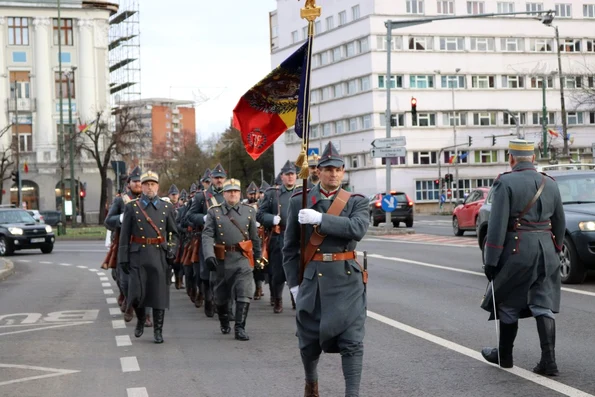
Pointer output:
x,y
310,217
294,291
121,218
257,224
204,218
276,220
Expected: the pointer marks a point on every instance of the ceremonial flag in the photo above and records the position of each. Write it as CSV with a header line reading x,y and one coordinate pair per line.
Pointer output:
x,y
85,127
269,108
451,160
553,133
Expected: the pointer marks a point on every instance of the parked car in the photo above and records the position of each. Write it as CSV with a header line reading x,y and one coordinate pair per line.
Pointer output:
x,y
577,189
36,215
19,230
52,218
464,216
403,212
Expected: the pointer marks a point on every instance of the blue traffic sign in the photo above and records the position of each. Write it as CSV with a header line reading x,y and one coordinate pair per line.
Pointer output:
x,y
389,203
313,150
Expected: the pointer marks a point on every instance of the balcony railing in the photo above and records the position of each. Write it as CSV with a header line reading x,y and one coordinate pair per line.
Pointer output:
x,y
21,105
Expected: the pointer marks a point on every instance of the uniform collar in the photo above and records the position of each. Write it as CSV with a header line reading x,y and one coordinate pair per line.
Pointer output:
x,y
327,195
523,165
214,190
228,208
285,189
146,201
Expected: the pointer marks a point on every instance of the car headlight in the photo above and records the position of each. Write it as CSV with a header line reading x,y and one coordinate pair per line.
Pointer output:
x,y
588,226
48,229
17,231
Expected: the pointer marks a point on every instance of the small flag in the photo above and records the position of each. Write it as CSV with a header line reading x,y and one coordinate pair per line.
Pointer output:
x,y
84,127
553,133
451,160
26,167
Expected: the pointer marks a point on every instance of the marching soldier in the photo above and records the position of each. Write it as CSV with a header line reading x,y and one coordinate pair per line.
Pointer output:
x,y
113,221
205,181
525,233
252,193
179,212
189,276
330,291
313,171
262,189
148,241
230,245
272,214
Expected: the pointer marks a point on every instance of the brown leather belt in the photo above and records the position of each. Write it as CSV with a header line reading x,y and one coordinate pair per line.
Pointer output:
x,y
149,241
233,248
334,256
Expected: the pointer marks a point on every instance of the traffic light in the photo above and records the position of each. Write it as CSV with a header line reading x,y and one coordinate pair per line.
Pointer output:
x,y
15,176
448,178
470,141
493,140
414,110
437,182
83,193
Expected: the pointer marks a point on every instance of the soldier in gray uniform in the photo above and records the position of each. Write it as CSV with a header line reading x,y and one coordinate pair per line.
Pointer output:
x,y
205,181
262,189
252,201
230,244
331,298
196,217
525,234
313,171
148,239
272,214
113,221
184,225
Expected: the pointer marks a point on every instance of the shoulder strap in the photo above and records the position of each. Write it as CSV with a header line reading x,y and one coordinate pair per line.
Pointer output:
x,y
534,199
236,224
213,201
126,199
150,221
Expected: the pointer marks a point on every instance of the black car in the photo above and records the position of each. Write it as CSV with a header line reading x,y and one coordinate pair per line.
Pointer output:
x,y
52,218
577,189
19,230
403,212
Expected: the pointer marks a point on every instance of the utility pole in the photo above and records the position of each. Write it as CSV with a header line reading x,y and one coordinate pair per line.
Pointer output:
x,y
454,133
73,191
61,132
544,116
17,148
387,161
562,102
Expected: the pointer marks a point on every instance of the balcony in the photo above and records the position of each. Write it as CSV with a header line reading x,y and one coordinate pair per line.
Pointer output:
x,y
175,128
175,111
21,105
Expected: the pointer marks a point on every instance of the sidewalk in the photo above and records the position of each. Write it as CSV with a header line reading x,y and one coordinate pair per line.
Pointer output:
x,y
6,269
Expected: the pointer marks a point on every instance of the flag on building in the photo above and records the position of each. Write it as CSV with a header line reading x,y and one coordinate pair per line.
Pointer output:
x,y
84,127
451,160
269,108
553,133
26,167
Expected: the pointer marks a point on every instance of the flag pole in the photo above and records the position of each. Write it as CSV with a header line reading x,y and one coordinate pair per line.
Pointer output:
x,y
309,12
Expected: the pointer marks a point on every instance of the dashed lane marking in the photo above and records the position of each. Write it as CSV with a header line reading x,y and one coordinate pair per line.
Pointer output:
x,y
115,311
46,262
118,324
93,270
106,285
111,301
123,340
129,364
137,392
103,279
108,291
64,264
82,267
23,260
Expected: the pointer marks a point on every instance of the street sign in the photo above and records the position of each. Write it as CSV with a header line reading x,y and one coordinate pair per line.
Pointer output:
x,y
389,142
313,150
389,203
388,152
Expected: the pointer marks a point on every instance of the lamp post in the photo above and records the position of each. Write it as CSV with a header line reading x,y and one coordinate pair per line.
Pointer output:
x,y
17,148
69,76
61,132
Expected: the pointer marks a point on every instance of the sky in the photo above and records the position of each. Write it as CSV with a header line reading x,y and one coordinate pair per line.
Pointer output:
x,y
208,50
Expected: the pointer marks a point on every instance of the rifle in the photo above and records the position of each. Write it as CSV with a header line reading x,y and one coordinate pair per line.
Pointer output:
x,y
365,271
111,259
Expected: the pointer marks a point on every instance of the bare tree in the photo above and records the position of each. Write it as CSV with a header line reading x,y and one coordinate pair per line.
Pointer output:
x,y
6,161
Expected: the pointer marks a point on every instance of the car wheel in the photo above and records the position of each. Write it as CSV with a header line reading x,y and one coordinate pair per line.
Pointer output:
x,y
396,223
372,221
455,227
5,247
572,270
409,223
47,248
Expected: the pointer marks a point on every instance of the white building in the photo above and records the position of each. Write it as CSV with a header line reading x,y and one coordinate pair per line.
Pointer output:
x,y
29,61
500,61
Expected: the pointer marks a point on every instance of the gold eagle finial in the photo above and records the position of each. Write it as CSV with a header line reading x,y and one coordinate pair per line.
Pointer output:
x,y
310,11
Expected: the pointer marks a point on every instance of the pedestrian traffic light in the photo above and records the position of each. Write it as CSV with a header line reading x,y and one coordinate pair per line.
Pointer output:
x,y
414,110
448,178
15,176
437,182
470,141
83,193
493,140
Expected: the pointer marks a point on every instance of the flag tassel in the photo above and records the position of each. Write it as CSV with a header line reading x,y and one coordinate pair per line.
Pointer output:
x,y
302,160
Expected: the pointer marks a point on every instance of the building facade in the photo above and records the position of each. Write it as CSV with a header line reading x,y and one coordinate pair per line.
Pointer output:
x,y
30,85
482,74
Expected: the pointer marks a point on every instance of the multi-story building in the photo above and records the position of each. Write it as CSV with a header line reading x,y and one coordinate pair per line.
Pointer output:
x,y
475,73
30,88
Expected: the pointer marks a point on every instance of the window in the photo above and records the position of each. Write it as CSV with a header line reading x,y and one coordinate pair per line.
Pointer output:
x,y
589,10
367,121
342,18
352,124
424,158
475,7
513,81
482,81
364,83
64,82
395,81
482,44
537,117
485,182
422,81
315,96
563,10
65,31
337,54
394,160
590,45
540,45
590,82
330,23
572,82
339,127
355,12
328,92
18,31
351,87
350,49
452,81
505,6
324,58
531,7
354,161
415,7
338,90
294,37
426,190
396,120
459,118
570,45
446,7
449,155
364,45
318,27
304,32
314,131
574,118
426,119
486,156
484,118
20,82
520,116
315,60
396,43
511,44
421,43
591,118
537,82
452,44
326,129
26,141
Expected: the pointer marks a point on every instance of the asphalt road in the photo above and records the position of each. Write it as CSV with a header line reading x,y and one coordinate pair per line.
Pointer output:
x,y
423,336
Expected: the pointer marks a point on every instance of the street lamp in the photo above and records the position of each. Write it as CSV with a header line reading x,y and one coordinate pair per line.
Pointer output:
x,y
544,120
61,132
69,76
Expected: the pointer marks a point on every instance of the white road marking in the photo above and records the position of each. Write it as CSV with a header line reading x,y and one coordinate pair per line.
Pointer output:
x,y
114,311
23,260
416,242
118,324
106,285
93,270
103,279
137,392
129,364
48,327
64,264
454,269
101,274
53,372
123,340
79,251
46,262
108,291
82,267
522,373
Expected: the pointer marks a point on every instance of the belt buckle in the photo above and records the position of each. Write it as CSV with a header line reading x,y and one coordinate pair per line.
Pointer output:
x,y
327,257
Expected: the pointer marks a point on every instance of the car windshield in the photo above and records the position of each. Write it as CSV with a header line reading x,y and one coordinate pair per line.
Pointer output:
x,y
577,189
15,217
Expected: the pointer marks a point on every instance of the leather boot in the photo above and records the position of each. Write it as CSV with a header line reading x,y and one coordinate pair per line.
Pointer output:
x,y
200,300
140,322
159,315
121,301
240,325
272,300
223,319
292,301
193,294
311,389
507,336
546,328
177,282
148,322
128,314
257,293
278,305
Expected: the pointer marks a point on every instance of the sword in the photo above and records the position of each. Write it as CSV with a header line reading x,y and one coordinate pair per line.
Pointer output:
x,y
496,321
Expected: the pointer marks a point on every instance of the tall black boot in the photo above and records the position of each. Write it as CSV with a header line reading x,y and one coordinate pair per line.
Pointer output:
x,y
209,304
140,321
546,327
240,325
507,336
223,319
158,316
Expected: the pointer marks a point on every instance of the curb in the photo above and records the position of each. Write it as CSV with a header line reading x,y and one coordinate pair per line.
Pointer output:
x,y
7,269
381,231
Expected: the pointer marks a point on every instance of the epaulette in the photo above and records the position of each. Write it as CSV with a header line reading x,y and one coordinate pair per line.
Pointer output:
x,y
299,193
502,173
272,188
165,199
357,195
215,205
132,201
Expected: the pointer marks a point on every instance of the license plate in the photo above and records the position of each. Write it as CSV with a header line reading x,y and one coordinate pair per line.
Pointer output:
x,y
38,240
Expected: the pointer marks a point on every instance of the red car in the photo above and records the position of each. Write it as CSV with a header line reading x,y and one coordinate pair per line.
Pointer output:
x,y
464,216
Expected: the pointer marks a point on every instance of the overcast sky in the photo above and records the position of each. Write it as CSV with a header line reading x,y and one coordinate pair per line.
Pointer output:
x,y
214,48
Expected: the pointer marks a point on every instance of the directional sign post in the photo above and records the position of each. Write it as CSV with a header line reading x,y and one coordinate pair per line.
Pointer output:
x,y
389,142
389,203
381,152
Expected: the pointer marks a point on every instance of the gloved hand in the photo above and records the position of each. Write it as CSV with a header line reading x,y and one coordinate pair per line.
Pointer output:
x,y
490,272
276,220
257,224
125,267
310,217
294,291
211,263
121,217
204,218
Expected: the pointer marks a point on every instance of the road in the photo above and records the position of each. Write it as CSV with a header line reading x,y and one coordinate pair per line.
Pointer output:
x,y
423,335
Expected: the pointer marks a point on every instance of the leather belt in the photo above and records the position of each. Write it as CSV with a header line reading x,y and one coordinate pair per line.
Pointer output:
x,y
149,241
233,248
334,256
